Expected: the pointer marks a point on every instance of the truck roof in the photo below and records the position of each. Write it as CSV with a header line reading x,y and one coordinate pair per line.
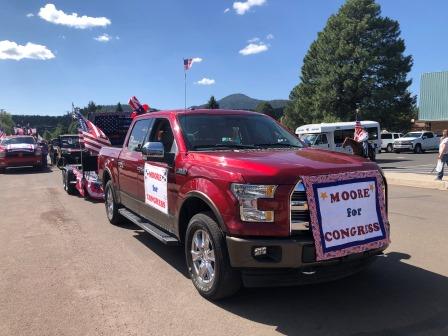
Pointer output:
x,y
198,111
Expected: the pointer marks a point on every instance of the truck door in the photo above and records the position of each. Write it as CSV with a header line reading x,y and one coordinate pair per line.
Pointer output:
x,y
428,140
158,189
130,164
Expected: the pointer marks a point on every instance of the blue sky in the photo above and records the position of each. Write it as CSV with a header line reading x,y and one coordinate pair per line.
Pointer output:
x,y
148,40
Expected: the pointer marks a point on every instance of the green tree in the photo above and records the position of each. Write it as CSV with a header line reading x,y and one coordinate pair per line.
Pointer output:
x,y
119,108
212,103
60,129
6,122
73,127
357,61
266,108
47,135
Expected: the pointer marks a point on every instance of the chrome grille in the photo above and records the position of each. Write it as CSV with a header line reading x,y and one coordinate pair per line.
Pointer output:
x,y
300,215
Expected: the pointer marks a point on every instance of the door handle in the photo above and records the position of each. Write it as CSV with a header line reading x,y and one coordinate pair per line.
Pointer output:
x,y
140,170
120,164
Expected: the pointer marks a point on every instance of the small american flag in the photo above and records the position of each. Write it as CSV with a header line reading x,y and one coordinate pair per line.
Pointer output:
x,y
92,137
135,105
360,133
188,62
2,134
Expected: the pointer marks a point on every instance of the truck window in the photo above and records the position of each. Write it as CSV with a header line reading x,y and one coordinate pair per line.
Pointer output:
x,y
429,135
162,132
387,136
340,135
138,135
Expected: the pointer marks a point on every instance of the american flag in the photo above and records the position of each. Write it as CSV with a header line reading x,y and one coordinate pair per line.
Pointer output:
x,y
92,137
360,133
188,62
2,134
135,105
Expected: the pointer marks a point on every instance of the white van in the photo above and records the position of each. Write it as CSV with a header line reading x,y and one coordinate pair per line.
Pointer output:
x,y
332,135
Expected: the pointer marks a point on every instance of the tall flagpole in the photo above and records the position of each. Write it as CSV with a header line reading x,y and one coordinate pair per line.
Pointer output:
x,y
185,87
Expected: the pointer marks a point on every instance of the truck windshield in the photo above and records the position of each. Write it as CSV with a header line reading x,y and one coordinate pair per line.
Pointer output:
x,y
19,140
236,131
70,142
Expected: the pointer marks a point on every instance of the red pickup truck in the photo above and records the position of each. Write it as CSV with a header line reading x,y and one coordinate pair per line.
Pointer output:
x,y
230,186
20,151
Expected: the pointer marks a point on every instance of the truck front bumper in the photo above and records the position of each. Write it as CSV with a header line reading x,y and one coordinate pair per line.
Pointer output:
x,y
403,147
25,161
291,261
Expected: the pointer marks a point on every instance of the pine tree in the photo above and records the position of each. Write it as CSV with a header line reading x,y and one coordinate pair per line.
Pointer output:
x,y
212,103
6,122
119,108
266,108
357,61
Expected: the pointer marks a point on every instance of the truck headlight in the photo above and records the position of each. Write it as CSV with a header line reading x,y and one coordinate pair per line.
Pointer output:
x,y
247,195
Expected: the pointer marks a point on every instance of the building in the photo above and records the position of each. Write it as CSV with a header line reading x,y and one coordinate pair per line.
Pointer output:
x,y
433,106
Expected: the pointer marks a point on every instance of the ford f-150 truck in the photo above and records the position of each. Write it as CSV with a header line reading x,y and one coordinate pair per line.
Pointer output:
x,y
20,151
235,188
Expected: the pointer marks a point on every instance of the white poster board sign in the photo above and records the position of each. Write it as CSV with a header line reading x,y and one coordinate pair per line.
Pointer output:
x,y
156,187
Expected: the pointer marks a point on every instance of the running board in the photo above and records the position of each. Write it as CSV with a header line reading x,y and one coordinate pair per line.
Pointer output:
x,y
163,236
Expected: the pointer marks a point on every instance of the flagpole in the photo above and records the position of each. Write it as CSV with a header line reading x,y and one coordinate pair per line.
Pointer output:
x,y
185,89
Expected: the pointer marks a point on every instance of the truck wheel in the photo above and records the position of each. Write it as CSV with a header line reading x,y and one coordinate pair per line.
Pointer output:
x,y
207,259
111,204
66,178
389,148
418,149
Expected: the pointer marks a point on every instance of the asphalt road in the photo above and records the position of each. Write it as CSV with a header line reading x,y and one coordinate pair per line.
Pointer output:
x,y
408,162
64,270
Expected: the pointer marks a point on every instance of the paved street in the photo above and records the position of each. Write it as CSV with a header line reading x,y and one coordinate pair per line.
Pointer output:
x,y
64,270
408,162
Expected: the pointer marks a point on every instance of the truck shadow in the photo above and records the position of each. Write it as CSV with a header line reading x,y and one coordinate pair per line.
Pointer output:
x,y
389,298
27,171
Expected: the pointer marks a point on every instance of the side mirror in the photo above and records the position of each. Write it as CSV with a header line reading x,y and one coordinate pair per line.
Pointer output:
x,y
153,150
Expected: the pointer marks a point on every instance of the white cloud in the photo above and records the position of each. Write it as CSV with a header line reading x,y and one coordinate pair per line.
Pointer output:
x,y
254,48
226,10
103,38
13,51
196,60
117,37
206,81
51,14
29,15
269,37
242,7
254,40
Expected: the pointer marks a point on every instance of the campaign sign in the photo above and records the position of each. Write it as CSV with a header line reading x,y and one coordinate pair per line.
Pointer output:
x,y
348,213
156,187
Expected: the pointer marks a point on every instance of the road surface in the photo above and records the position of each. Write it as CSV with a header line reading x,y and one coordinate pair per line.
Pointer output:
x,y
408,162
64,270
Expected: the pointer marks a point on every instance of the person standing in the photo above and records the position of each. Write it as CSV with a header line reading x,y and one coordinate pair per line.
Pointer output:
x,y
443,155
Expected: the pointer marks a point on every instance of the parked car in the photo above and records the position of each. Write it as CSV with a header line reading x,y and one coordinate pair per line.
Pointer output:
x,y
20,151
231,186
387,140
418,142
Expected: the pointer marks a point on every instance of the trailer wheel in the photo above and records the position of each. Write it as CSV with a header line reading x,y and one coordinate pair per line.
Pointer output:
x,y
111,204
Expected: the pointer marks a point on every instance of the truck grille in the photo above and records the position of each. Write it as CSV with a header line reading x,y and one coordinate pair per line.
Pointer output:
x,y
300,215
19,154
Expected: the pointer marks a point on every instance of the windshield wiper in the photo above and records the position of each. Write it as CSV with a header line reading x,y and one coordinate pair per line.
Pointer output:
x,y
271,145
224,146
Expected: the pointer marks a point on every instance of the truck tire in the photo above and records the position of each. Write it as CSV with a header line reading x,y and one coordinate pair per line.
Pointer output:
x,y
389,148
111,204
67,176
210,271
418,149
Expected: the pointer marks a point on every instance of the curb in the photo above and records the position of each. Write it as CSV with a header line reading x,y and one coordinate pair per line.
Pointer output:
x,y
416,181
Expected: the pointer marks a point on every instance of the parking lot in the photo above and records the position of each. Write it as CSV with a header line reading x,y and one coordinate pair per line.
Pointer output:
x,y
66,271
408,162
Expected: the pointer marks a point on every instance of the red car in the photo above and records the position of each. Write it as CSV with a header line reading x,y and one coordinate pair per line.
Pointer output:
x,y
20,151
251,204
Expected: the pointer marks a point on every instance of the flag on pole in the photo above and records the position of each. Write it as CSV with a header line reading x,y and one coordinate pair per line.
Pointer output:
x,y
91,136
361,134
188,62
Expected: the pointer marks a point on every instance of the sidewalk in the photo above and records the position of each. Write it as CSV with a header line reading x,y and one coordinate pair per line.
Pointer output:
x,y
416,180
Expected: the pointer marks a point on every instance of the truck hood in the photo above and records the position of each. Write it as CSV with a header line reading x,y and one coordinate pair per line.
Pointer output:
x,y
406,139
281,166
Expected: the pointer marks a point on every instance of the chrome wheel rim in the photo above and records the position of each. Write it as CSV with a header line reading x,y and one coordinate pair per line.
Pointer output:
x,y
203,259
109,203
